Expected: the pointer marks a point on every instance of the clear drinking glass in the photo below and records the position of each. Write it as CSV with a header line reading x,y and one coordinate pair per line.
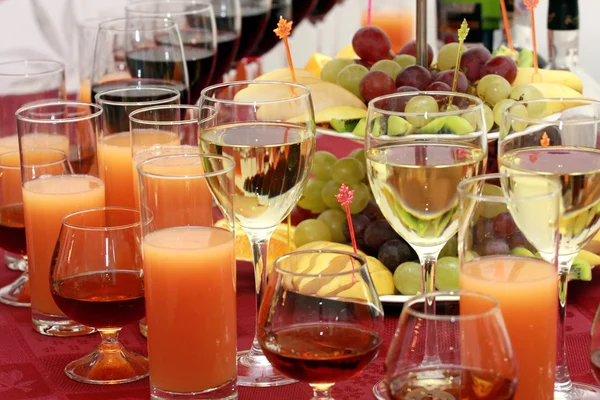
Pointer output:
x,y
191,342
505,220
114,142
96,279
139,52
474,361
419,146
197,27
59,128
253,124
21,82
558,139
322,324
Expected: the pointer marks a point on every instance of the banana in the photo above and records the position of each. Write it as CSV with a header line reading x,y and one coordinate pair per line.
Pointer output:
x,y
567,78
590,257
554,91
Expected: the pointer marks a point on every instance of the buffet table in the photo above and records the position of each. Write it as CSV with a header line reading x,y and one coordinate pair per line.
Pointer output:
x,y
31,365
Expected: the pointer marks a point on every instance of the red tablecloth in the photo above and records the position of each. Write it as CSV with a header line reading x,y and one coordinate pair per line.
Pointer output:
x,y
31,365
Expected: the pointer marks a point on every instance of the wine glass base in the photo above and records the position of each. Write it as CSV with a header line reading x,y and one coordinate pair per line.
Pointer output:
x,y
58,325
228,391
144,328
17,293
580,391
110,366
257,371
15,263
380,391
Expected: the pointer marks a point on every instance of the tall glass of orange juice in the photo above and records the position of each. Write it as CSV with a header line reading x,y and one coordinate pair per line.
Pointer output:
x,y
114,144
51,192
505,221
189,275
396,18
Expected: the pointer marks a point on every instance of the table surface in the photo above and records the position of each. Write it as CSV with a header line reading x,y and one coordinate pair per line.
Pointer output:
x,y
31,365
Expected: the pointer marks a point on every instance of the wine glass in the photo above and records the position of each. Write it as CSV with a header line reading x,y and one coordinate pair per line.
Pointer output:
x,y
279,8
558,139
273,160
97,279
417,152
317,16
189,273
21,82
139,52
475,357
302,9
505,220
320,321
197,27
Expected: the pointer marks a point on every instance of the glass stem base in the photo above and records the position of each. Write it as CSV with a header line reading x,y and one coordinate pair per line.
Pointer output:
x,y
254,370
144,328
576,391
228,391
57,325
16,293
321,392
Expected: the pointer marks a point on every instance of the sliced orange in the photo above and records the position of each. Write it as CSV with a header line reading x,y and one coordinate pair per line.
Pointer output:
x,y
316,63
347,52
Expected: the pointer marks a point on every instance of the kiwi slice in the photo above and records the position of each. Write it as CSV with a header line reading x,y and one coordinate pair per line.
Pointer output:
x,y
344,125
580,270
361,128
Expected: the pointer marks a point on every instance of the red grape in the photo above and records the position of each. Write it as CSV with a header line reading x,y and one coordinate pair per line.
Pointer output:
x,y
439,87
394,252
360,223
504,66
375,84
364,63
371,43
372,210
504,225
377,233
517,239
472,60
414,75
411,49
447,77
483,229
494,246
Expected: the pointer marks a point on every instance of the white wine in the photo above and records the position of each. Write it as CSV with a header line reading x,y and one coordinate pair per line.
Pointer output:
x,y
415,185
578,170
273,162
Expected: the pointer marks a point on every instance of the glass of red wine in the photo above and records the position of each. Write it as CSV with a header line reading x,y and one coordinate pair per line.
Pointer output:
x,y
320,320
467,356
317,16
228,18
302,9
135,52
96,279
197,27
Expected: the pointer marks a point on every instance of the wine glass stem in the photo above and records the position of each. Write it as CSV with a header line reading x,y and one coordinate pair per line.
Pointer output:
x,y
110,338
321,392
562,380
260,246
428,262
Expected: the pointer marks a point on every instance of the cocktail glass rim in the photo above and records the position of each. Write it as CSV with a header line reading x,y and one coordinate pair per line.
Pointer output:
x,y
581,120
128,24
373,104
356,256
58,67
188,121
428,298
65,220
294,96
176,96
206,5
23,113
199,156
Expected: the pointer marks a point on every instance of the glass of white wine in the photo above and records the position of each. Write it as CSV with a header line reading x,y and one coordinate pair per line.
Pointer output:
x,y
559,139
419,146
268,128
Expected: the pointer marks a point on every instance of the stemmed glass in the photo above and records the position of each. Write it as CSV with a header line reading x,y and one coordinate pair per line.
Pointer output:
x,y
139,52
417,152
321,324
475,357
197,27
558,139
273,155
318,15
96,279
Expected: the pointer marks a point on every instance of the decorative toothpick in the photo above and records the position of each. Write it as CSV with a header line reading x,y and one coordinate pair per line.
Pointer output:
x,y
369,11
532,4
507,26
283,30
462,35
345,197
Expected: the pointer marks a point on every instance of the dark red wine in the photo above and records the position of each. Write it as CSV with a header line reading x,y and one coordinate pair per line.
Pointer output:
x,y
228,44
301,9
321,353
269,39
108,299
116,117
321,10
12,229
254,23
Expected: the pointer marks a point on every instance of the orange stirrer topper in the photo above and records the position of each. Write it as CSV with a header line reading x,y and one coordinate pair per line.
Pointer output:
x,y
507,26
532,4
283,30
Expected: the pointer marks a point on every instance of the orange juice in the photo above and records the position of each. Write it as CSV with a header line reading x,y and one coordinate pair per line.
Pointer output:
x,y
527,291
397,23
45,202
85,91
115,160
180,175
35,140
189,283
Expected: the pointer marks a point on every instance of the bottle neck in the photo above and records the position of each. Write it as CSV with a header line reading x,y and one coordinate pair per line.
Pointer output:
x,y
563,33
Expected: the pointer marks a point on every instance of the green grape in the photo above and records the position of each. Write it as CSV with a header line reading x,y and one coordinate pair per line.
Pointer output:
x,y
362,196
420,105
404,60
349,78
359,154
311,230
311,197
493,88
407,278
331,70
348,170
322,163
528,92
447,56
388,66
328,193
521,251
499,110
335,220
472,117
451,248
518,111
447,273
488,114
